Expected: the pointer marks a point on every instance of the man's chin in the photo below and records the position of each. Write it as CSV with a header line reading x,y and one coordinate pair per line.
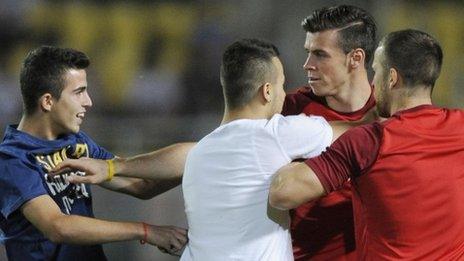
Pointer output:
x,y
316,90
75,130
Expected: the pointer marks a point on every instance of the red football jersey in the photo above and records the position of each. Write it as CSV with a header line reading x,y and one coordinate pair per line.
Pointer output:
x,y
323,229
408,177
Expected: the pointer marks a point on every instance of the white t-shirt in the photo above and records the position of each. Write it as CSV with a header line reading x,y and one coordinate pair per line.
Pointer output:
x,y
226,185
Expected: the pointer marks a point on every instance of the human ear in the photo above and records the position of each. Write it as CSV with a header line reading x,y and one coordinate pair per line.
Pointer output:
x,y
46,102
266,92
393,78
357,58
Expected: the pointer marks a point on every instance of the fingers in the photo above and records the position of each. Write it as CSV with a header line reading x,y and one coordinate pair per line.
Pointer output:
x,y
96,171
176,245
182,231
179,240
181,235
162,250
65,166
169,239
82,179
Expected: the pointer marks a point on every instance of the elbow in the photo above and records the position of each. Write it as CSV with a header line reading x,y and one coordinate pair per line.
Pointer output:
x,y
280,200
292,186
55,238
287,200
58,232
279,196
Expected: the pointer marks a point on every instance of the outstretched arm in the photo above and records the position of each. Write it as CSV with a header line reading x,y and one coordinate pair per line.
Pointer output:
x,y
340,127
143,176
46,216
348,157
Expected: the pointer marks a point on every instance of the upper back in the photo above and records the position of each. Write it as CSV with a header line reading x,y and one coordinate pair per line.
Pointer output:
x,y
414,190
226,185
225,188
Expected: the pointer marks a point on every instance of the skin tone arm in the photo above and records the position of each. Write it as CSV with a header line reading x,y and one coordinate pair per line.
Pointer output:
x,y
296,183
46,216
161,169
143,176
293,185
340,127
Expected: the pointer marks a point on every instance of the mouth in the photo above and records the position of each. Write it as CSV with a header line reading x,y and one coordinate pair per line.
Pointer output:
x,y
80,115
313,79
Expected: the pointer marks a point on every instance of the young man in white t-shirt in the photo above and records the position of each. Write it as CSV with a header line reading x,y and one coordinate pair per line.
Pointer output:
x,y
228,173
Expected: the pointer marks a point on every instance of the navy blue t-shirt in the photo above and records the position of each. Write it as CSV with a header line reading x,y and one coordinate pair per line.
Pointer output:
x,y
24,161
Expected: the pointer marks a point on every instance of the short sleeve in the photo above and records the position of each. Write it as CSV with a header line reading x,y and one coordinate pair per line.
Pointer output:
x,y
95,151
301,136
350,156
18,184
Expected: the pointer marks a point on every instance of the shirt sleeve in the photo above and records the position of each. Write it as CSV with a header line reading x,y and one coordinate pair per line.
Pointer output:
x,y
301,136
349,156
18,184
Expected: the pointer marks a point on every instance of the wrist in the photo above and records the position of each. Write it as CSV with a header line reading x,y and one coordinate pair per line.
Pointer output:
x,y
144,235
119,165
110,169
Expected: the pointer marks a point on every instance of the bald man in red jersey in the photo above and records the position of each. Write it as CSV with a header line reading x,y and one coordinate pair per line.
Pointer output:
x,y
407,172
340,42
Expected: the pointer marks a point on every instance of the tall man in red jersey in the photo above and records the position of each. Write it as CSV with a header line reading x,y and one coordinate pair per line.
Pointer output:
x,y
407,172
340,42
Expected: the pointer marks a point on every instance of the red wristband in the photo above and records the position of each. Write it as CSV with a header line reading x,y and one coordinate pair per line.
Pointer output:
x,y
145,233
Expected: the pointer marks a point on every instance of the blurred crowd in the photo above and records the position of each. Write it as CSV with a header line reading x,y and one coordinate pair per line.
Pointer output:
x,y
158,61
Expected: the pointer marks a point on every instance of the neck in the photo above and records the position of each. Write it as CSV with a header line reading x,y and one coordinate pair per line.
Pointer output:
x,y
353,96
37,126
408,98
246,112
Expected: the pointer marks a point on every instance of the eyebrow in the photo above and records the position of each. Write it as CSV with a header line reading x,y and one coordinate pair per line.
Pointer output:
x,y
319,51
80,89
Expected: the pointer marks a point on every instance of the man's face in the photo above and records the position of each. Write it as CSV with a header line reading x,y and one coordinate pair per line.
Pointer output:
x,y
380,82
278,96
69,110
326,64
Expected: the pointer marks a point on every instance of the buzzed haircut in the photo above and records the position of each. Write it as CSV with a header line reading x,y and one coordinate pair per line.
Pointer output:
x,y
43,71
416,56
356,27
246,65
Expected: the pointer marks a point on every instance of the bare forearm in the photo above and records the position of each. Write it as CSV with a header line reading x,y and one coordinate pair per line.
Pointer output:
x,y
47,217
165,164
141,188
340,127
74,229
148,175
143,176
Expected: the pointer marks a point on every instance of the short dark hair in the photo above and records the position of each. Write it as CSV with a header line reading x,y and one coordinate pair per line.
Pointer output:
x,y
356,26
416,55
43,72
246,65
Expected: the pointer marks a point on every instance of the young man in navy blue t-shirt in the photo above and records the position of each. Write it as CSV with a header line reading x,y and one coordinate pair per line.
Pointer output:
x,y
48,218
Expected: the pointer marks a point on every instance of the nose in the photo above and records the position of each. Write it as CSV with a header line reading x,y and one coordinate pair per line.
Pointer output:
x,y
309,64
87,100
